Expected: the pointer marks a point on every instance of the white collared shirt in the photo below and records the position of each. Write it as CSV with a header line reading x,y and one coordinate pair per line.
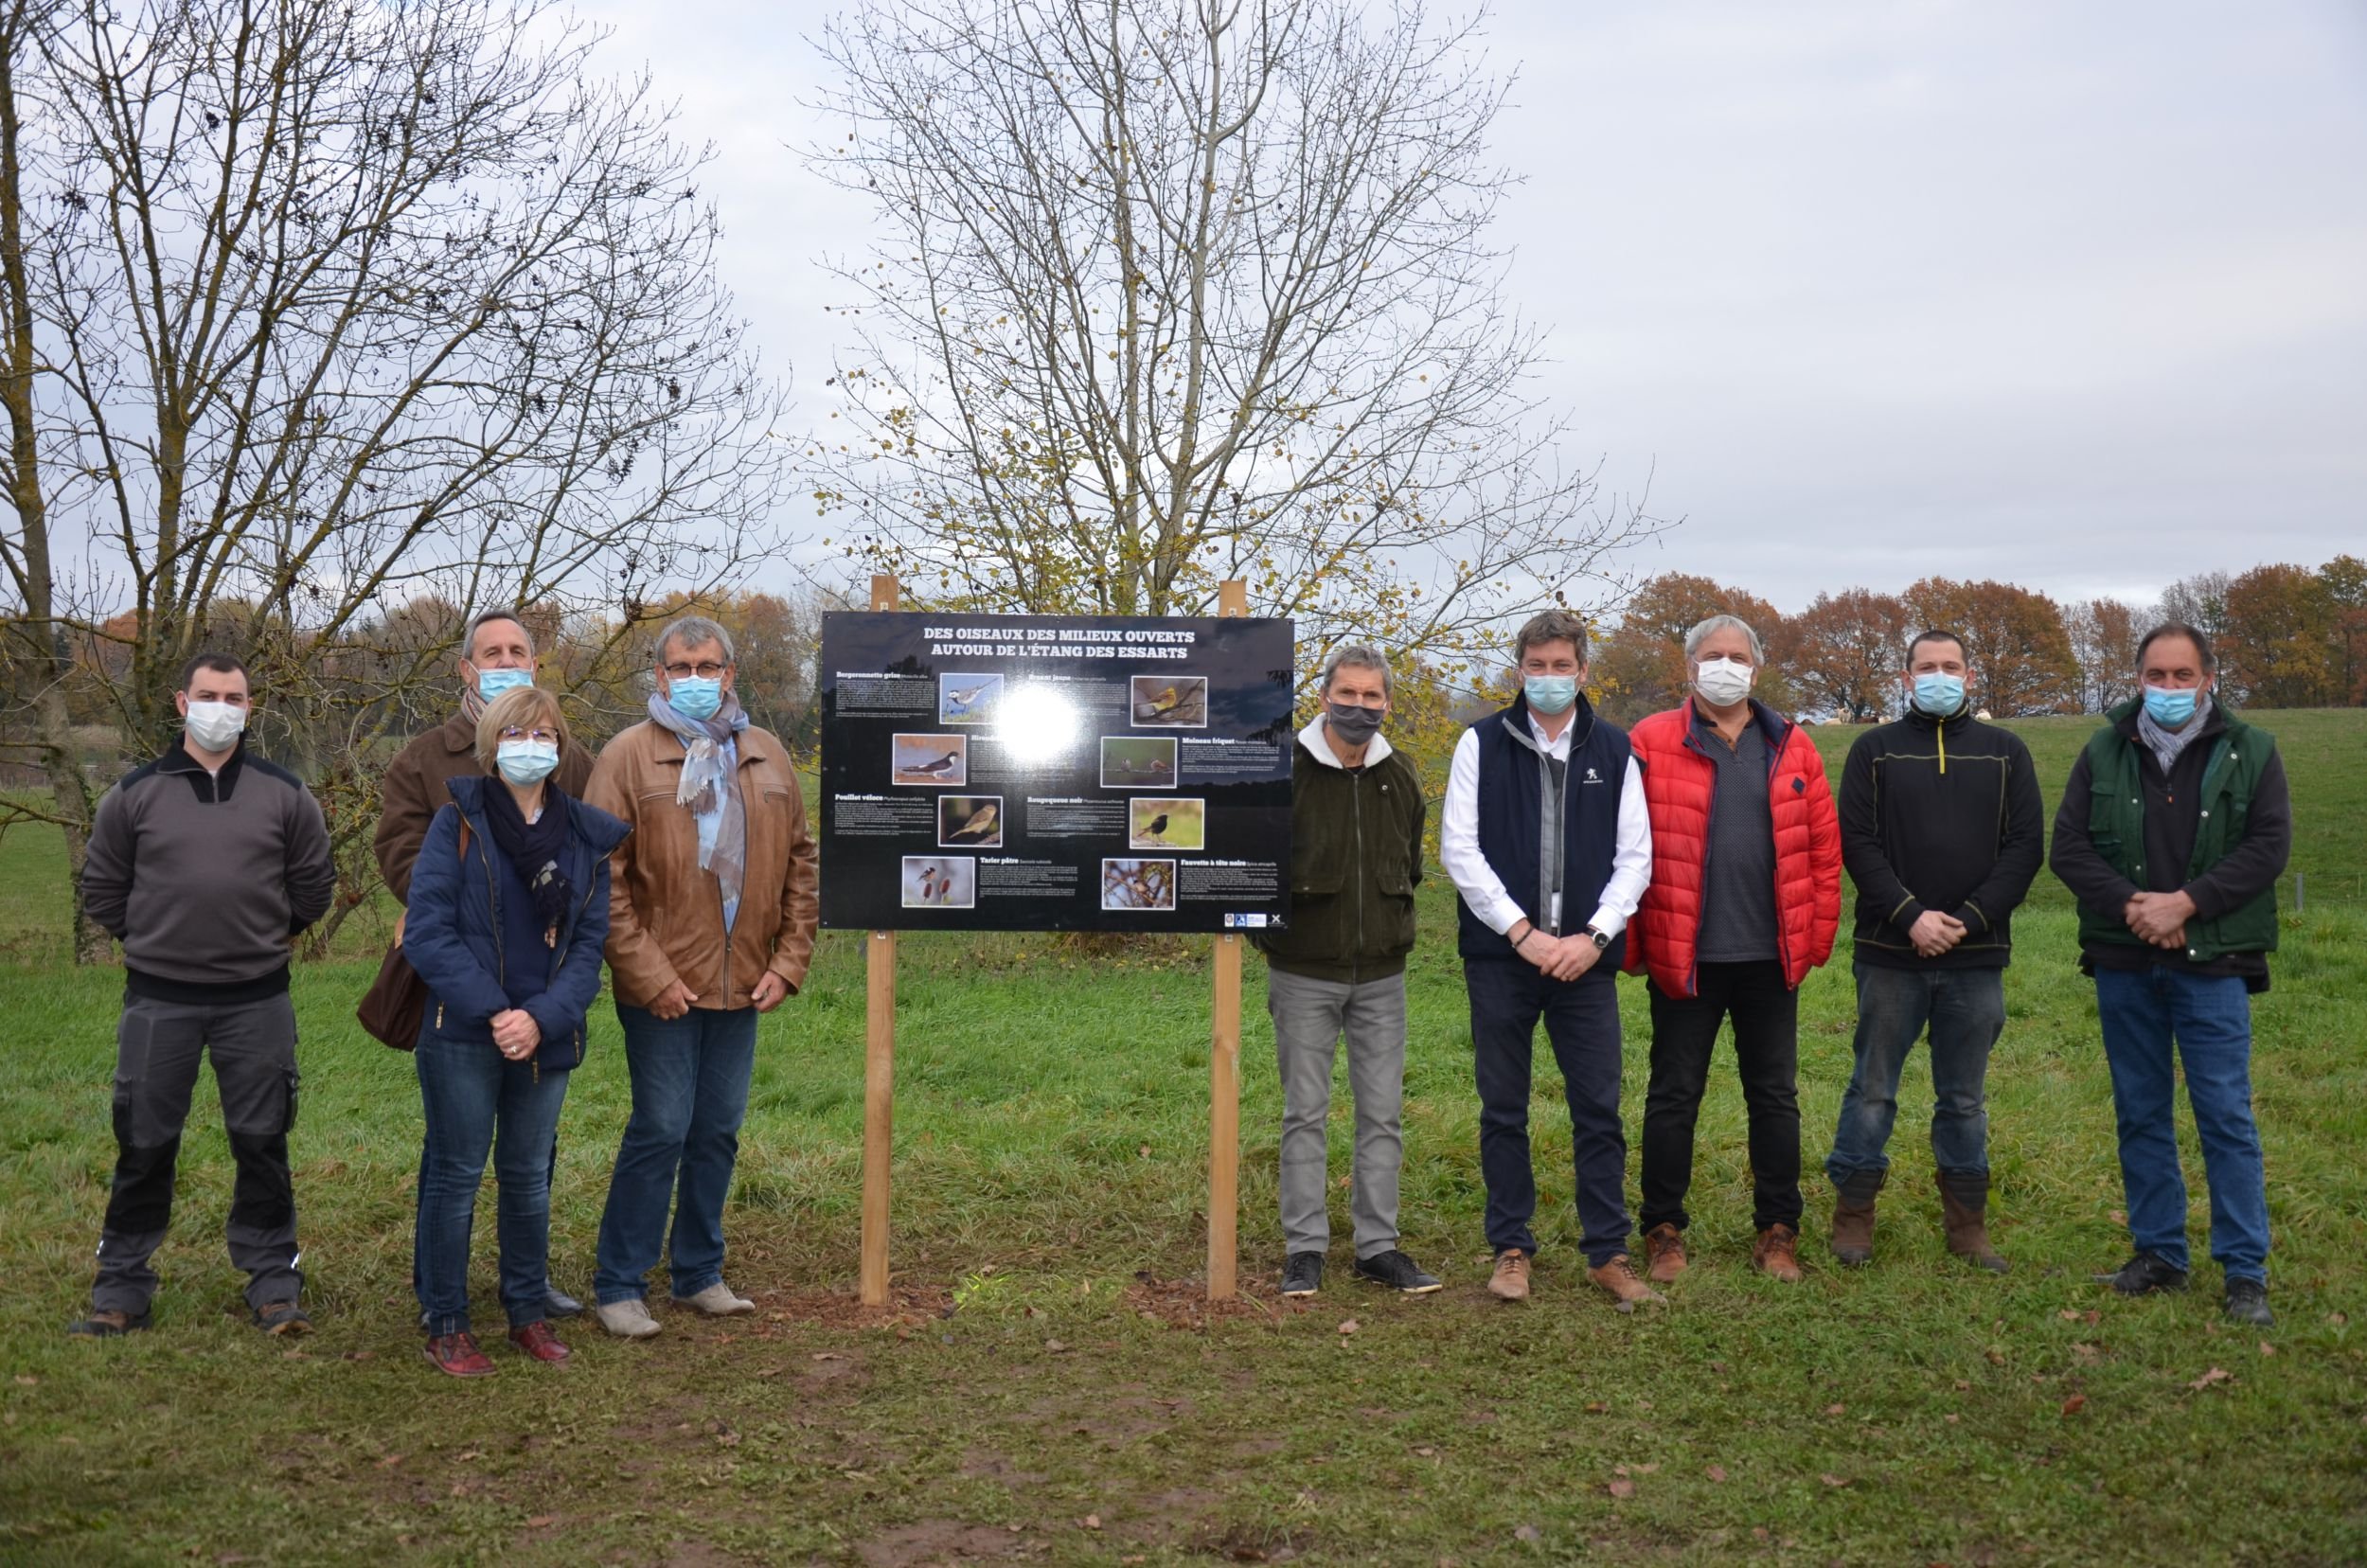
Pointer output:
x,y
1459,847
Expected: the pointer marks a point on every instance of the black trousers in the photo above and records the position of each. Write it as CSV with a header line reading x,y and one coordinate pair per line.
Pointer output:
x,y
1766,1015
159,1046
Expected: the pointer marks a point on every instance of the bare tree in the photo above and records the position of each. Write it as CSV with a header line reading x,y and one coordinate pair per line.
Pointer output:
x,y
1176,290
2104,635
320,306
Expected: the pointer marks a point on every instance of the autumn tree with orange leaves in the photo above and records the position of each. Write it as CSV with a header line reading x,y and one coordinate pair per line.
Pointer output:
x,y
2013,640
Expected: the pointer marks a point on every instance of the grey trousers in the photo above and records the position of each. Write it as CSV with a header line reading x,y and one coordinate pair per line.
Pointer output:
x,y
1309,1019
158,1047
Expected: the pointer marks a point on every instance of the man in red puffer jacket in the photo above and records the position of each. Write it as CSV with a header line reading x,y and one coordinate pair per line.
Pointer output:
x,y
1745,900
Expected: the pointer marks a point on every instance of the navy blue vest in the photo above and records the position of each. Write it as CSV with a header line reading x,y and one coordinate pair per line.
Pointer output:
x,y
1511,825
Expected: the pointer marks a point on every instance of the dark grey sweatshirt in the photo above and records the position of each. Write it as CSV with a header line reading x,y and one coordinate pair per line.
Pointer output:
x,y
203,879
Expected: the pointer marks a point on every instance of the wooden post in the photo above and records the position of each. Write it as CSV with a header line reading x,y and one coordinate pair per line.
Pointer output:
x,y
1224,1074
878,1073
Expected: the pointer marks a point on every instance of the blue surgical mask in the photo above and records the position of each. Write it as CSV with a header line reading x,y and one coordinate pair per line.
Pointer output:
x,y
1939,695
492,683
696,696
524,762
1549,694
2170,707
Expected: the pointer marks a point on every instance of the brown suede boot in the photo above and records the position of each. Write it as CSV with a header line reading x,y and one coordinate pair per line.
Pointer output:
x,y
1777,1253
1663,1253
1853,1217
1964,1201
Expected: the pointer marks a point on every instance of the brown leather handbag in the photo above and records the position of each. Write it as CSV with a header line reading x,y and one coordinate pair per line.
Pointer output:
x,y
396,1005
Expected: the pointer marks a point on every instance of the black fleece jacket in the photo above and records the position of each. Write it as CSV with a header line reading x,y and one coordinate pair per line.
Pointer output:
x,y
1943,816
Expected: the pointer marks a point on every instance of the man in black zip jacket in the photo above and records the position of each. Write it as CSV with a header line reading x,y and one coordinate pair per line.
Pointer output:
x,y
1942,828
205,864
1338,969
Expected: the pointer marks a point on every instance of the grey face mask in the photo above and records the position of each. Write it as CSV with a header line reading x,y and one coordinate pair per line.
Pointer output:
x,y
1352,722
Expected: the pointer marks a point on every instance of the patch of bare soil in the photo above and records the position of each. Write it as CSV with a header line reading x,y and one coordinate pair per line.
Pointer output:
x,y
1185,1304
941,1541
908,1306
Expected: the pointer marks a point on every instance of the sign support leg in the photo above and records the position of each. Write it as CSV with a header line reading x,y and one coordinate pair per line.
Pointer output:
x,y
879,1071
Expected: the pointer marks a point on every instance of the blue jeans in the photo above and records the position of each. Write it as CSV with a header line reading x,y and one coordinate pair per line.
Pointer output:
x,y
1508,997
1965,1009
2209,1018
469,1092
689,1093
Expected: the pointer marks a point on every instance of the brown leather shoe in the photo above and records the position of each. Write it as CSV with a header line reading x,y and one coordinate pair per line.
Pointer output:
x,y
457,1355
1777,1253
537,1340
1510,1282
1625,1286
1663,1253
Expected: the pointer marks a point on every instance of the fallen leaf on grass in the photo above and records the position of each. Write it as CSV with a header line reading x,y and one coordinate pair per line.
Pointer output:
x,y
1528,1532
1996,1357
2268,1349
829,1355
26,1378
2217,1375
1622,1487
1596,1407
2338,1319
1349,1325
1055,1347
361,1355
2085,1351
542,1522
2074,1405
1834,1409
1716,1472
1962,1387
472,1453
1091,1522
1136,1557
1832,1480
390,1461
2120,1217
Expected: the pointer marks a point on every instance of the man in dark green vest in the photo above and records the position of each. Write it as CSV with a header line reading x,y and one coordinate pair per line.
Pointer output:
x,y
2174,829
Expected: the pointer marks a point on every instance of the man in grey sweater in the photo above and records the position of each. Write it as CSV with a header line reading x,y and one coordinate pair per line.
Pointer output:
x,y
205,863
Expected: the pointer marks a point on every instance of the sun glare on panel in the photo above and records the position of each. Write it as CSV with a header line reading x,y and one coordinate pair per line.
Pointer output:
x,y
1036,723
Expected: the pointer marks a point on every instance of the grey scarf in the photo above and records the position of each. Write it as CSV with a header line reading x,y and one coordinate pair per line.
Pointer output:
x,y
2168,745
708,787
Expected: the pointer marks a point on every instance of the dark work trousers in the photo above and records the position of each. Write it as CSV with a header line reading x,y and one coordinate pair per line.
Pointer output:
x,y
1508,996
1766,1015
158,1047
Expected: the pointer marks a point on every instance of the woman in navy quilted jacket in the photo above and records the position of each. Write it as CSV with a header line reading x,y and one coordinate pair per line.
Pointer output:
x,y
507,915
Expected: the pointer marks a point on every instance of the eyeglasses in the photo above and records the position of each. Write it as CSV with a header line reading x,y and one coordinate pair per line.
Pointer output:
x,y
513,733
705,671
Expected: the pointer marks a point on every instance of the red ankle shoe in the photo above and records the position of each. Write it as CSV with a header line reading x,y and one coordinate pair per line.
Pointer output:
x,y
537,1340
457,1355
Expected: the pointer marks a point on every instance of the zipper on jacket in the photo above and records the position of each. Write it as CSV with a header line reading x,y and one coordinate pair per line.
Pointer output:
x,y
1356,814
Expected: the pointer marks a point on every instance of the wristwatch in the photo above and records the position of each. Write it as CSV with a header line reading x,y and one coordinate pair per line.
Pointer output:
x,y
1600,940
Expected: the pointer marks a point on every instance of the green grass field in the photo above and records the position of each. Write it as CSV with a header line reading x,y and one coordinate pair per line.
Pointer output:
x,y
1048,1389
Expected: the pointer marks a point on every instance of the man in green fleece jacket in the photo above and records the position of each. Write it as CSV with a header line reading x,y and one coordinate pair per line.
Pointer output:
x,y
1338,969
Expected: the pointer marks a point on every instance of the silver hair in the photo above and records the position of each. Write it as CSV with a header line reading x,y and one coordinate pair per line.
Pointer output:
x,y
1357,656
477,622
1720,623
695,632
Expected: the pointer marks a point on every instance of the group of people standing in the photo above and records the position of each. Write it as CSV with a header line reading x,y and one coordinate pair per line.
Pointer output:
x,y
1704,849
680,858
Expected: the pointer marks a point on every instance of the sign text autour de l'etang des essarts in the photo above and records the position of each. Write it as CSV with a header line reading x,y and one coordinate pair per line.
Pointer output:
x,y
1055,773
1059,642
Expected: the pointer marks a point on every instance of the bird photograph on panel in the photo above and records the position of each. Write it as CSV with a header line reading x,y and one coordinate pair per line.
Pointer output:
x,y
1167,823
925,759
1170,701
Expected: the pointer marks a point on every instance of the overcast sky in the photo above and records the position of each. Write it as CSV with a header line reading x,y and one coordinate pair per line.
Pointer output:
x,y
2074,296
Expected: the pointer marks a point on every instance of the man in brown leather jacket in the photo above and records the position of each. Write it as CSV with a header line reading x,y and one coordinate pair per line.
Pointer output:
x,y
496,653
713,906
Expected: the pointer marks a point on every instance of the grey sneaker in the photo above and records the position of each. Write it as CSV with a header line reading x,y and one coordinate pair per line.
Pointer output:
x,y
716,1301
627,1319
1303,1276
1396,1270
